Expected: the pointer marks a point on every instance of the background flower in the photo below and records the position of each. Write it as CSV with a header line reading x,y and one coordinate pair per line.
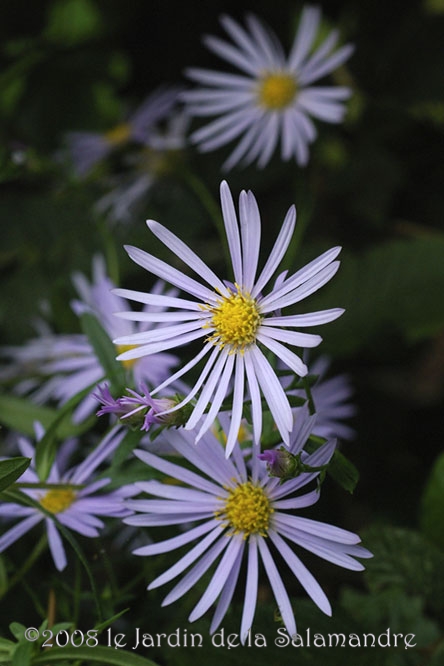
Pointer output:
x,y
76,505
273,98
58,366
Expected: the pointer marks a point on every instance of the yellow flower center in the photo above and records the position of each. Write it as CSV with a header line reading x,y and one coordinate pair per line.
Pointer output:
x,y
247,509
119,134
235,319
58,500
276,91
131,361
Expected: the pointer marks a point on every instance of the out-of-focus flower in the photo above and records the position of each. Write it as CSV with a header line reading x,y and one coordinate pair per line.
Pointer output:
x,y
273,97
155,160
241,512
89,148
235,320
70,495
58,366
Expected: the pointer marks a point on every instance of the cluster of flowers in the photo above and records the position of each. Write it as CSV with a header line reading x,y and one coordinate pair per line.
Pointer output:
x,y
233,496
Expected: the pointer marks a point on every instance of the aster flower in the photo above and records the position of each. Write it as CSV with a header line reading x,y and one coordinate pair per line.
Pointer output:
x,y
273,98
241,513
89,148
76,505
59,366
151,163
235,320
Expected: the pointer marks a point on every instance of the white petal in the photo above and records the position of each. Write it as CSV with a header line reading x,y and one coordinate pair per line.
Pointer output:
x,y
251,587
277,253
220,577
308,27
288,357
189,257
170,274
250,224
278,588
238,405
232,231
273,393
306,579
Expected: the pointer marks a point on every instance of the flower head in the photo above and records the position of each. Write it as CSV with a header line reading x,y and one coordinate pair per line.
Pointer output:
x,y
156,159
235,321
273,98
140,410
89,148
241,513
70,495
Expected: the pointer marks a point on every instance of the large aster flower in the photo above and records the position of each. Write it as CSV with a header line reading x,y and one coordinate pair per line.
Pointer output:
x,y
76,505
273,98
58,366
241,513
236,321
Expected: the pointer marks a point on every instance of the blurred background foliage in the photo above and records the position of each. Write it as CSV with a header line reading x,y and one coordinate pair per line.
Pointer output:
x,y
373,185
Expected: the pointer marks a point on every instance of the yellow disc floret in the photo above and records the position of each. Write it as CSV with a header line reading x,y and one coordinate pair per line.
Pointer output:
x,y
235,320
247,510
130,362
119,134
58,500
276,91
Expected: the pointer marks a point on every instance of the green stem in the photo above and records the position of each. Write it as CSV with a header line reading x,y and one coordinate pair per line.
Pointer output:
x,y
110,251
307,389
210,205
35,554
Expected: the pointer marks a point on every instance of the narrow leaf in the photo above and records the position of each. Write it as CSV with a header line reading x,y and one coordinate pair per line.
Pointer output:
x,y
100,654
12,469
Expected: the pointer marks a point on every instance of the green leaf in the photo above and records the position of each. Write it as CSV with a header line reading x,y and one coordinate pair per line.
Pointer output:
x,y
23,654
12,469
342,470
109,622
73,21
432,504
394,288
17,630
103,655
105,351
46,448
405,559
20,414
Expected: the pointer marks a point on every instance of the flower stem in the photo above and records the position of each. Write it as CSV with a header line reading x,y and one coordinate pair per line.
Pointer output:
x,y
210,205
35,554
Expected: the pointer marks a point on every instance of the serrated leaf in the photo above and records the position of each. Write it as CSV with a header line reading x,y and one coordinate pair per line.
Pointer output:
x,y
432,504
11,470
407,560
